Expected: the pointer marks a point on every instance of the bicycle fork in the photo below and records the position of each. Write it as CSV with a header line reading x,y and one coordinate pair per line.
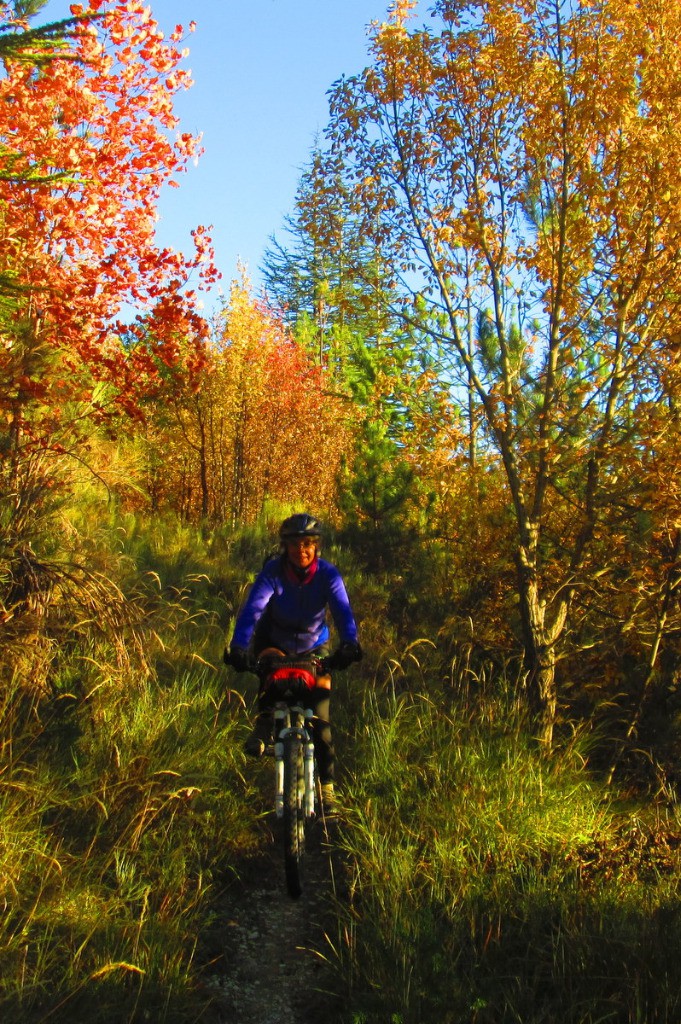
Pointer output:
x,y
294,721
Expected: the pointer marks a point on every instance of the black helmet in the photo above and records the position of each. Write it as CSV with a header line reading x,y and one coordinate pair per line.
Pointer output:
x,y
300,525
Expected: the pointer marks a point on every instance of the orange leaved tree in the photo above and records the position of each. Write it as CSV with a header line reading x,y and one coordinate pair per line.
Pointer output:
x,y
88,138
262,426
521,163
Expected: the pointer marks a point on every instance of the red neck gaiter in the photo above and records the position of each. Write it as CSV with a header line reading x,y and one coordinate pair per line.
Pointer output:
x,y
301,576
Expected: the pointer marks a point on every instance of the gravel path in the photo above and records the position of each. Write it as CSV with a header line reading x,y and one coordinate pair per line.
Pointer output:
x,y
272,967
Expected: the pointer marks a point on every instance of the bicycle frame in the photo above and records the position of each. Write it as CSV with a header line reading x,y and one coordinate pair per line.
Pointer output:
x,y
293,720
289,681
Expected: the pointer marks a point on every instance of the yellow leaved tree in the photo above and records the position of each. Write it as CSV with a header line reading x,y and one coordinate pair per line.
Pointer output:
x,y
258,424
520,161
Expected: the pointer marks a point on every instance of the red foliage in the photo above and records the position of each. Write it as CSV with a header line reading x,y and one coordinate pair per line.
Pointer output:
x,y
86,146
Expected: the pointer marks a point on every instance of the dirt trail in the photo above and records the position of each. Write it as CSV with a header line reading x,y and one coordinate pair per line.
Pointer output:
x,y
269,965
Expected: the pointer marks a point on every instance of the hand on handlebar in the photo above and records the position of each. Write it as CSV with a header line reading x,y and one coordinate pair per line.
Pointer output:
x,y
342,657
242,660
238,658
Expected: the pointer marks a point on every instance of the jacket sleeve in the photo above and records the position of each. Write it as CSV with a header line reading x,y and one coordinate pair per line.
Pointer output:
x,y
253,609
339,605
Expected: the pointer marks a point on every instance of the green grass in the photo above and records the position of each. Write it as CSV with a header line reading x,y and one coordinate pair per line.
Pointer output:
x,y
120,813
483,884
490,885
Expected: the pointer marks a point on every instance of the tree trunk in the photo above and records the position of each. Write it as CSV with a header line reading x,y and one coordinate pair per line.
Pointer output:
x,y
539,641
203,468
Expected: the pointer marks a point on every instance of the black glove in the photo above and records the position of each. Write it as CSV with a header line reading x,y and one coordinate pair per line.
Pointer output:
x,y
238,658
346,654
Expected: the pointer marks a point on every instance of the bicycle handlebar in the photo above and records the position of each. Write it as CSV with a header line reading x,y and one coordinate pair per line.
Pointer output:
x,y
244,661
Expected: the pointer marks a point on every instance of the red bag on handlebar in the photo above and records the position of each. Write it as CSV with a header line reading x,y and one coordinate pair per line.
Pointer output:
x,y
291,675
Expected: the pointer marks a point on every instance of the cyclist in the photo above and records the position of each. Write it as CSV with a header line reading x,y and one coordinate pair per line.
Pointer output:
x,y
286,611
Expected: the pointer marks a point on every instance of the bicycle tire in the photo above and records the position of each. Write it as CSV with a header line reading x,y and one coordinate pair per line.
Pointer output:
x,y
294,825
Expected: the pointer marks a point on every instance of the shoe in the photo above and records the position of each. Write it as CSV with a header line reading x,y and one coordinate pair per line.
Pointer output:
x,y
330,801
262,735
254,746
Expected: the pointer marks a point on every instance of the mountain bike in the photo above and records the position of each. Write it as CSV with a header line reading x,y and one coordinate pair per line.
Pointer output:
x,y
287,681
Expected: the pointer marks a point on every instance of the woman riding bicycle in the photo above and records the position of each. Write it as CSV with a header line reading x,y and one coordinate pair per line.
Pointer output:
x,y
285,611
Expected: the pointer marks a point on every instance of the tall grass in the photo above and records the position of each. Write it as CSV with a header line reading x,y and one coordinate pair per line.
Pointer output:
x,y
119,815
490,885
484,884
124,810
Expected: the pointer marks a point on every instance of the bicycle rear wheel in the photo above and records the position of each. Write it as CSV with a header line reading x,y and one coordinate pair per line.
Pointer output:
x,y
294,821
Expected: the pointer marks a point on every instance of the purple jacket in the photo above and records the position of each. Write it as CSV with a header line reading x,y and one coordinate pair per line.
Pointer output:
x,y
294,610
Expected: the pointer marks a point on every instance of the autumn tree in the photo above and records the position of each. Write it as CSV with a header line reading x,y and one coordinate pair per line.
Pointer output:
x,y
259,424
521,162
88,139
337,292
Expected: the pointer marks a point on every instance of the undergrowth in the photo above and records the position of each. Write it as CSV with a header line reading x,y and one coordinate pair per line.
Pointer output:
x,y
124,809
121,813
489,884
485,884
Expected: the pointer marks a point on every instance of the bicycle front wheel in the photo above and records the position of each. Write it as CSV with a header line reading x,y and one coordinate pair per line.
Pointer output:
x,y
294,820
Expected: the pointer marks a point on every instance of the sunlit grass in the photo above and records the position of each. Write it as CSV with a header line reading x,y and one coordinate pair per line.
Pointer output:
x,y
117,817
484,883
491,884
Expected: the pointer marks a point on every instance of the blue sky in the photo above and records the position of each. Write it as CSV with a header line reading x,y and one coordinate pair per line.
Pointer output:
x,y
261,69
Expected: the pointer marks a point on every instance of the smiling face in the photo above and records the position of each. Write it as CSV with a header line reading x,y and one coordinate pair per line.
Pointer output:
x,y
301,551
